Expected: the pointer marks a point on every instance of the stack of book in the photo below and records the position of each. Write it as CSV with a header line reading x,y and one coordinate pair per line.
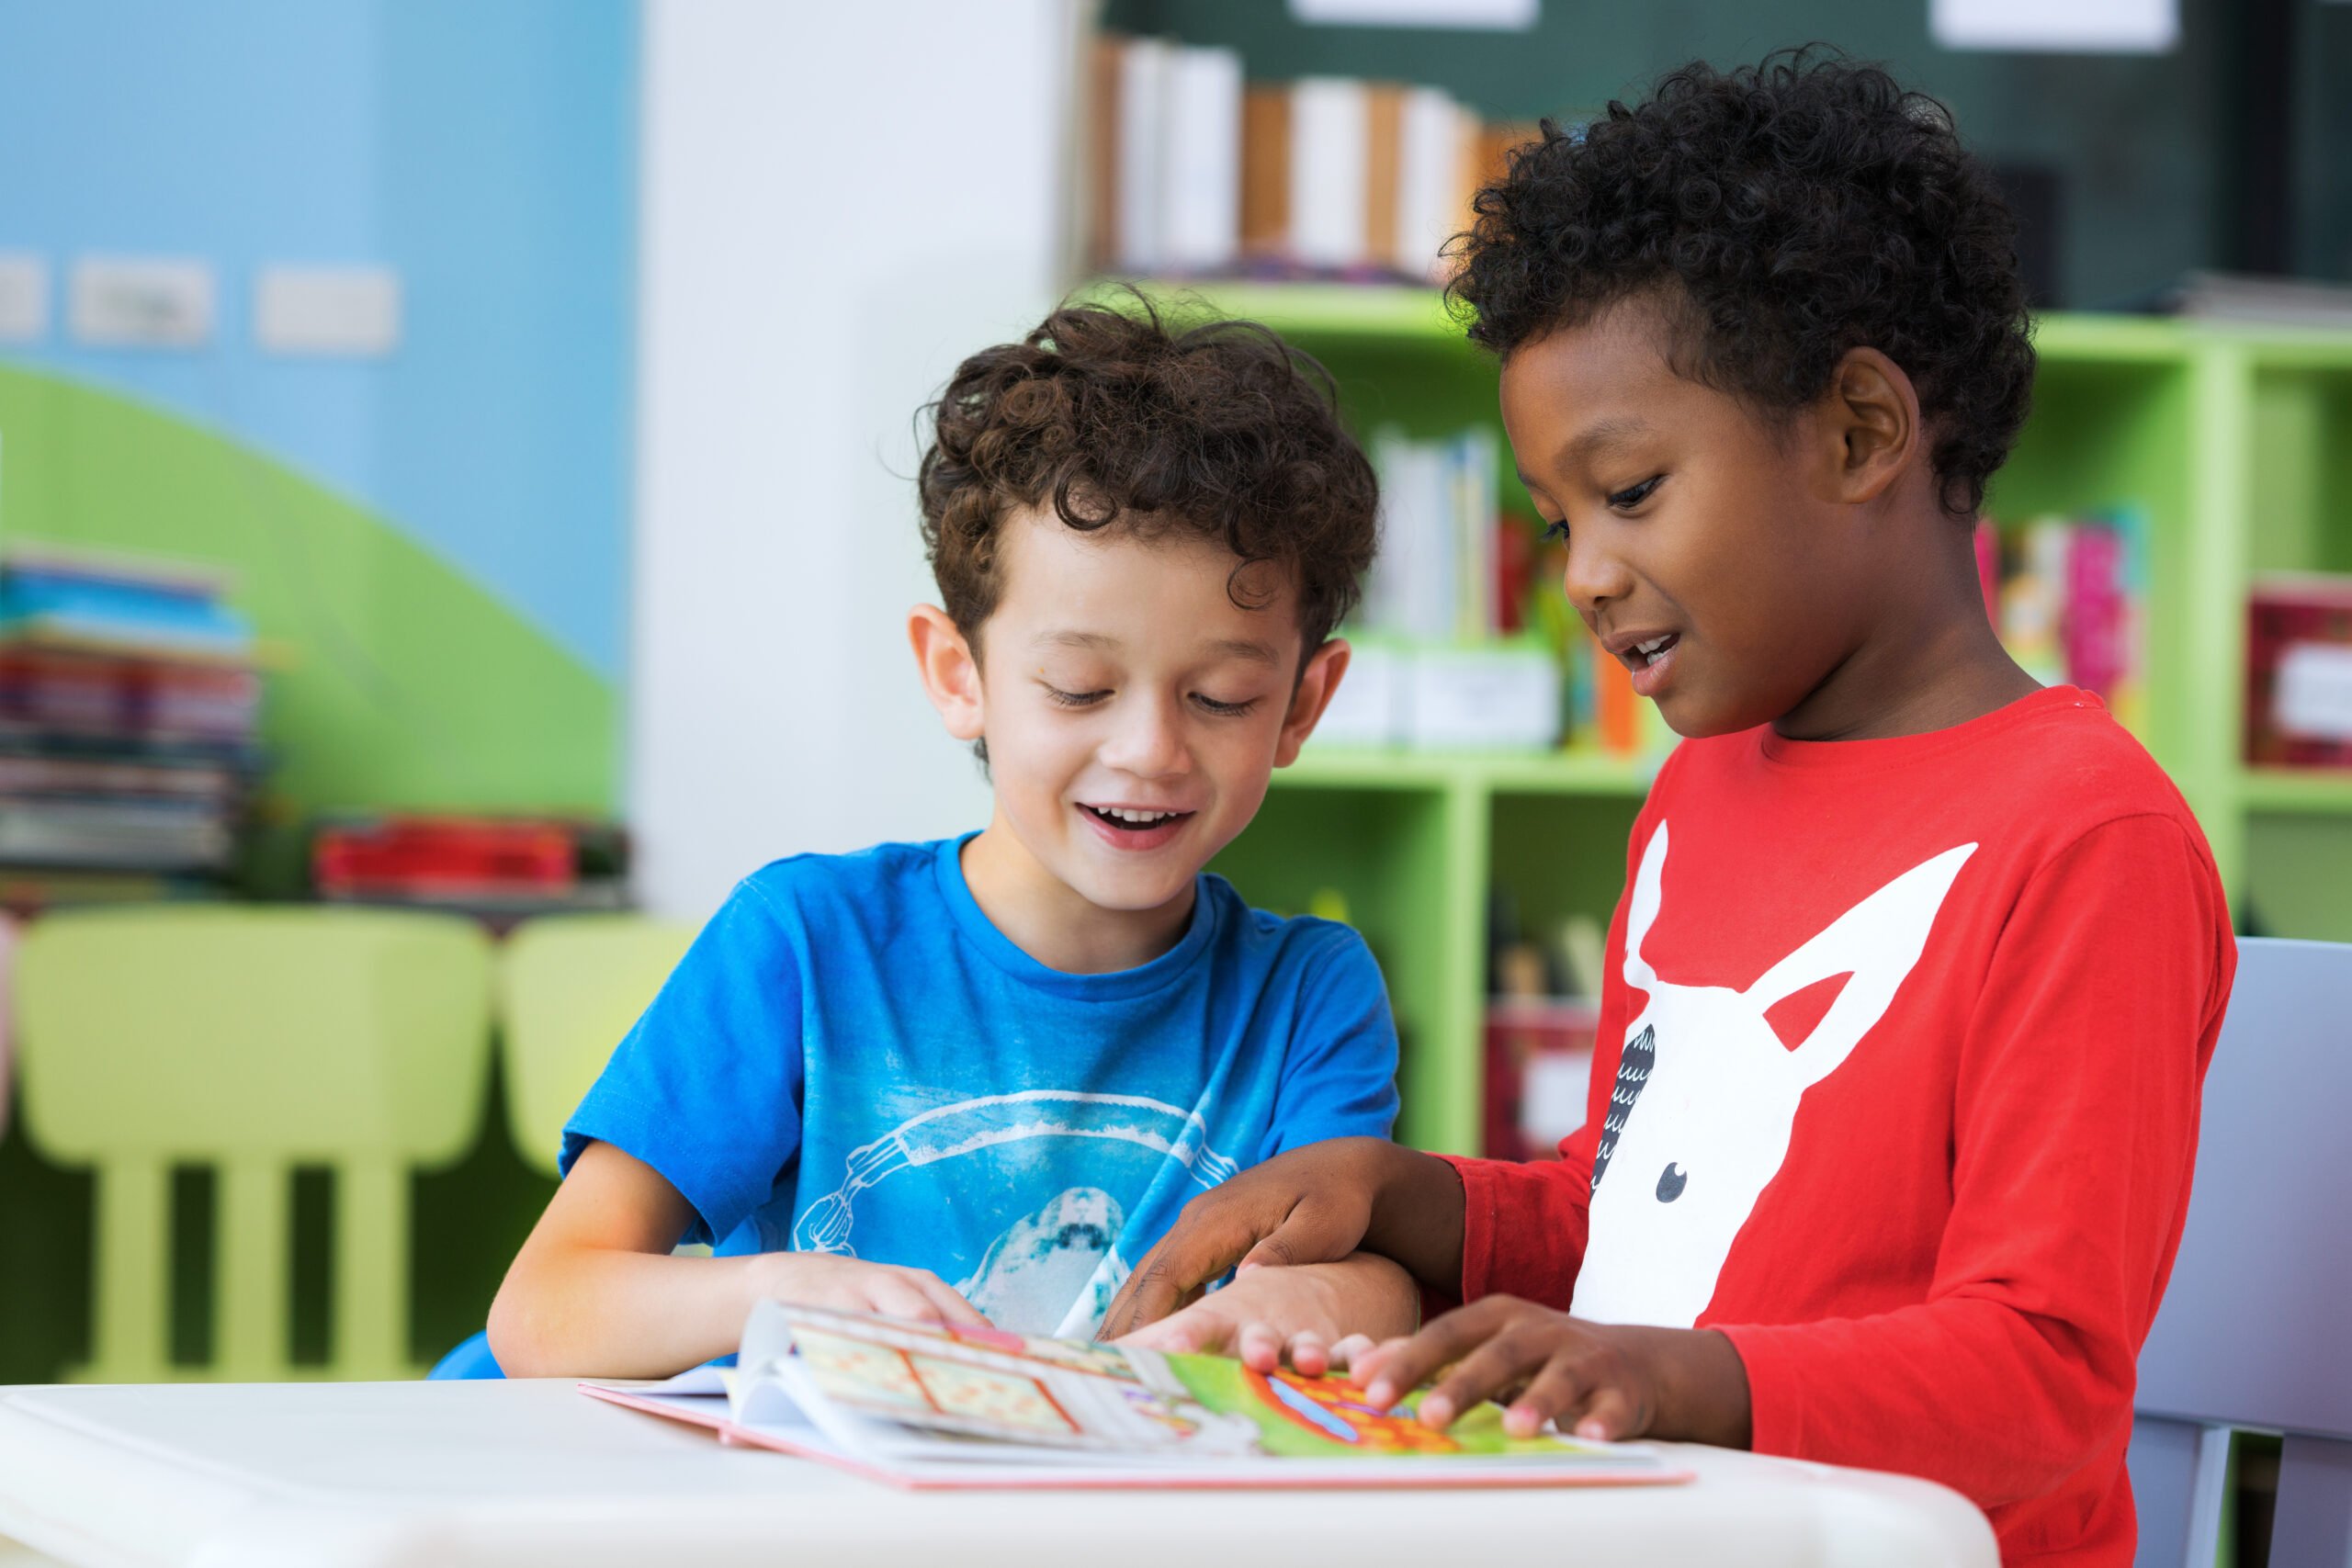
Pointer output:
x,y
1193,172
2069,596
499,869
130,708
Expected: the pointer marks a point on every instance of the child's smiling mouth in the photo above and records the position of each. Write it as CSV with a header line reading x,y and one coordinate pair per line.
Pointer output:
x,y
1649,654
1135,827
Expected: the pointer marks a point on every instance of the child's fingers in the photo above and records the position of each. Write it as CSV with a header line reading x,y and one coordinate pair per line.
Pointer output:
x,y
1181,1333
1308,1353
1401,1367
1260,1347
1203,1244
1610,1413
952,1308
1499,1364
1556,1391
1350,1352
894,1295
1311,1233
1369,1365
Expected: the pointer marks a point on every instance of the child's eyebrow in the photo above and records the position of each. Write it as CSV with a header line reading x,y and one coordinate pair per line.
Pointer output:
x,y
1104,642
1602,435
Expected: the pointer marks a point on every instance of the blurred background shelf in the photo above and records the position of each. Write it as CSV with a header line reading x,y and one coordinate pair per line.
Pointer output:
x,y
2313,791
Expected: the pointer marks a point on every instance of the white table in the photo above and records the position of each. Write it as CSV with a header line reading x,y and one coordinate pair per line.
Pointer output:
x,y
449,1475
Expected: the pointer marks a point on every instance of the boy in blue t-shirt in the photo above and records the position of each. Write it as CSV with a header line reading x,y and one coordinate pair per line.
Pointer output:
x,y
977,1077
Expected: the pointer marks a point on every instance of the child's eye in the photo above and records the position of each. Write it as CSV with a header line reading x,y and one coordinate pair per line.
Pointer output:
x,y
1556,530
1074,699
1223,710
1634,495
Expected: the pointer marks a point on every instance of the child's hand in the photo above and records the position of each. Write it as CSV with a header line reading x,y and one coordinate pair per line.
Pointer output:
x,y
1602,1380
852,1284
1316,1316
1316,1205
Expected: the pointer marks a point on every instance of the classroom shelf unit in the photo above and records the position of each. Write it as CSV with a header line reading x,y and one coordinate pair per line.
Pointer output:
x,y
2235,443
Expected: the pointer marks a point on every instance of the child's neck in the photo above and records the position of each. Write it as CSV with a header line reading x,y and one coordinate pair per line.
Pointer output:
x,y
1931,660
1052,921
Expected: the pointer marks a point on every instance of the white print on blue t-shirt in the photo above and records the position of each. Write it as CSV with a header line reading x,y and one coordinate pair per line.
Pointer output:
x,y
1025,1270
851,1059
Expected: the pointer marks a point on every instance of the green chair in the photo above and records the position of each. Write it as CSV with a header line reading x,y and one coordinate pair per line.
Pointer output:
x,y
570,986
253,1040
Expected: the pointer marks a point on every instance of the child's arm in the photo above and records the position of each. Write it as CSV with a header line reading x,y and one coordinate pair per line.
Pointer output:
x,y
595,1293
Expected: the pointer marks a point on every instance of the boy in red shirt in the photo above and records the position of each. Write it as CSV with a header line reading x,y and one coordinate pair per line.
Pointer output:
x,y
1919,965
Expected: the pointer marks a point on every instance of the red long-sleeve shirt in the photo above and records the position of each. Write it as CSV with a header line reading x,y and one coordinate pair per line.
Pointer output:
x,y
1901,1048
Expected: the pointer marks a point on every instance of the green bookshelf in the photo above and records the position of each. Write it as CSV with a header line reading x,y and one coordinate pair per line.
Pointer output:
x,y
2235,443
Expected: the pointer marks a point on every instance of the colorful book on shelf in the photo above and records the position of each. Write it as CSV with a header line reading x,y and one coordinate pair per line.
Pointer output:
x,y
923,1407
51,600
100,834
45,772
29,890
2072,599
84,692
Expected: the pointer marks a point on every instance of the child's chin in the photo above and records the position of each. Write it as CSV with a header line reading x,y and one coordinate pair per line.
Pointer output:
x,y
1136,892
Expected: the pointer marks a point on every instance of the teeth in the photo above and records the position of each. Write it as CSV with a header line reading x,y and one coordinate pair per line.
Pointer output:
x,y
1649,649
1142,817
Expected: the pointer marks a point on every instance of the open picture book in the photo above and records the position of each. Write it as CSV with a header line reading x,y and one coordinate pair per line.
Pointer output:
x,y
921,1405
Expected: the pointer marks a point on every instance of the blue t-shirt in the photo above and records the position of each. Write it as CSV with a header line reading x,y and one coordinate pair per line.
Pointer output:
x,y
851,1059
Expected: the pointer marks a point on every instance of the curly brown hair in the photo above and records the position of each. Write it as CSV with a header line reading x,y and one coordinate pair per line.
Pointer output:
x,y
1787,211
1213,428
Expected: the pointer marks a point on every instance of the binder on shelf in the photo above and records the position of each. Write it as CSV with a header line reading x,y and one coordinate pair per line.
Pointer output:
x,y
1199,161
1330,153
1191,170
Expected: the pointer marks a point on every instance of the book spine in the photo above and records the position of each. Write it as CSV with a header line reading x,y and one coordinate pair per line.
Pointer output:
x,y
1142,104
1265,173
1200,224
1384,172
1330,122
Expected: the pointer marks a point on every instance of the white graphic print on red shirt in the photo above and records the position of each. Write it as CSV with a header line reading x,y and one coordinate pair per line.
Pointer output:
x,y
1706,1092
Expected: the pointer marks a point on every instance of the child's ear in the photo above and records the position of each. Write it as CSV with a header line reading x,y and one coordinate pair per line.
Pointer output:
x,y
1874,424
1315,684
951,671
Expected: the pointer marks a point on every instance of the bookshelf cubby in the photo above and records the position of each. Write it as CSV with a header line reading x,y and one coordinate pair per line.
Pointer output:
x,y
2235,443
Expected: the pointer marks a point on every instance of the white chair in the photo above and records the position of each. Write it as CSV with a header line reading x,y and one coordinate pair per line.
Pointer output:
x,y
2256,1330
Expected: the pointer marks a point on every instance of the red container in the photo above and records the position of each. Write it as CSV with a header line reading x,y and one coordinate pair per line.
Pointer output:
x,y
1539,1060
2299,672
443,857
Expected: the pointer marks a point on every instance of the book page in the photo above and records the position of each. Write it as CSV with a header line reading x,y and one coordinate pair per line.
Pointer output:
x,y
1064,1399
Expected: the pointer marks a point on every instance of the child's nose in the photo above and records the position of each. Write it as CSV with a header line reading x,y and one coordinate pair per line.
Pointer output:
x,y
1148,740
1594,575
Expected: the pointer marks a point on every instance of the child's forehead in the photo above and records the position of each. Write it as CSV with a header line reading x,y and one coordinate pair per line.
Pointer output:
x,y
1608,382
1137,586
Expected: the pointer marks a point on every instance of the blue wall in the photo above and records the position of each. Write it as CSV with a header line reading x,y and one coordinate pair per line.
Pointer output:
x,y
485,151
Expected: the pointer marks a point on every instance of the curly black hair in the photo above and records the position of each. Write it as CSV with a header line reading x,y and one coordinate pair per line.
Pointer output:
x,y
1782,213
1211,427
